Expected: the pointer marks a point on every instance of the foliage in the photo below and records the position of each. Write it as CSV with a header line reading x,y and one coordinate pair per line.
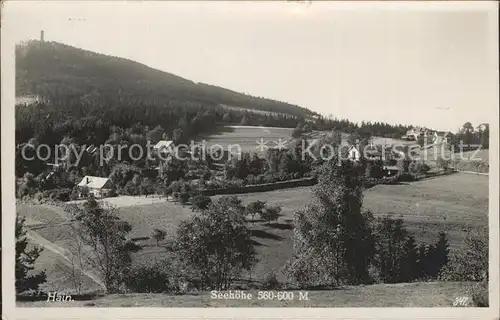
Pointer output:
x,y
158,235
25,259
271,281
155,277
470,263
200,202
333,241
254,208
480,294
270,213
442,163
106,234
418,168
217,243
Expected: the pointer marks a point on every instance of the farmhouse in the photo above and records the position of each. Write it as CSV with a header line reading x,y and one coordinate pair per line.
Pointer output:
x,y
416,132
97,186
353,154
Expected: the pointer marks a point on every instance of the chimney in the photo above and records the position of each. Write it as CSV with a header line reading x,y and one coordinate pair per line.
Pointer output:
x,y
41,36
87,180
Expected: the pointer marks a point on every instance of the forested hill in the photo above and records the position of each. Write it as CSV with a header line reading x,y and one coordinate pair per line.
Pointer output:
x,y
55,72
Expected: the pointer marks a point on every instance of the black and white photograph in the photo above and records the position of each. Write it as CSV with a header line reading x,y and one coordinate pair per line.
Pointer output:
x,y
270,154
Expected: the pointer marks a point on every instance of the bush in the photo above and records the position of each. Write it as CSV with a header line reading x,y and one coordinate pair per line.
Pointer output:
x,y
398,257
471,261
480,295
270,213
74,194
200,202
154,278
112,193
184,197
271,281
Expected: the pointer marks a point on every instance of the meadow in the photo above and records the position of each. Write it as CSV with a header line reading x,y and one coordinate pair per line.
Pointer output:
x,y
246,137
452,203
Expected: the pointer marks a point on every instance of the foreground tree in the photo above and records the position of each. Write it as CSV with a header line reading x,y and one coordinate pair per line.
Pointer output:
x,y
270,213
26,279
254,208
217,244
105,233
333,241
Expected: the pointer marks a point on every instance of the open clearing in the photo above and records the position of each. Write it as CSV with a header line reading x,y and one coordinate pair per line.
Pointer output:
x,y
247,137
422,294
450,203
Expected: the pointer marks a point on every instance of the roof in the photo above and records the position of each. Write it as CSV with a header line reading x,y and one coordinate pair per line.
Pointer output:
x,y
391,168
442,133
91,149
163,144
93,182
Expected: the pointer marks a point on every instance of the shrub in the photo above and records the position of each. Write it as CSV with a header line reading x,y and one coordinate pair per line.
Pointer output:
x,y
480,294
158,235
254,208
270,213
184,197
200,202
154,278
74,194
471,261
112,193
251,179
271,281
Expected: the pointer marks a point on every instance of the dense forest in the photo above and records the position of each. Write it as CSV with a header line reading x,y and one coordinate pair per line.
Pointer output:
x,y
84,95
58,73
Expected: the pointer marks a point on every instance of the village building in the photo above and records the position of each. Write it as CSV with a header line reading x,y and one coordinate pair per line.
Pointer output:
x,y
353,154
164,147
97,186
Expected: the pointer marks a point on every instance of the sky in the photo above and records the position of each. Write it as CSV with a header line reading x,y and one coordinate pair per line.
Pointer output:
x,y
433,65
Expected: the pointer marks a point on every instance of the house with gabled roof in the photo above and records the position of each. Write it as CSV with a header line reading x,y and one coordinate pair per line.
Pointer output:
x,y
353,154
164,146
97,186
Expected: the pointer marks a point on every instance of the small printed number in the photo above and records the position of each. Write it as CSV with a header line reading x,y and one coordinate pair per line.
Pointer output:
x,y
461,301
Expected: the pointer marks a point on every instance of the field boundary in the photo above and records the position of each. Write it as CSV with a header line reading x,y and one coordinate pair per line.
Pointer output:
x,y
262,187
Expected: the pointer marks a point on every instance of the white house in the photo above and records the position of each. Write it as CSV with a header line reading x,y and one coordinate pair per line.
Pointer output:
x,y
97,186
164,146
354,154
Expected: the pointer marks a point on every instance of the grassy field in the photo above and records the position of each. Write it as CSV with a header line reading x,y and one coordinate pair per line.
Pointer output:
x,y
450,203
246,137
424,294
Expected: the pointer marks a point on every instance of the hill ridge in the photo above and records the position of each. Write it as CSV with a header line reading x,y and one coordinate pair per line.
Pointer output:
x,y
52,69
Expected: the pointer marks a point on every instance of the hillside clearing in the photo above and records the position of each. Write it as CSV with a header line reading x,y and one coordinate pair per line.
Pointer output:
x,y
246,137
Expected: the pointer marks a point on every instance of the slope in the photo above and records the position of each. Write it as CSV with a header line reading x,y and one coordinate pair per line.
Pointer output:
x,y
51,70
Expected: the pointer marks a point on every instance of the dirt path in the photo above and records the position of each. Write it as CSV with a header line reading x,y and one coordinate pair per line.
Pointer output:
x,y
473,172
41,241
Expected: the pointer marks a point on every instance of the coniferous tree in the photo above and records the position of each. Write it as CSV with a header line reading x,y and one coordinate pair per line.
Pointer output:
x,y
26,279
